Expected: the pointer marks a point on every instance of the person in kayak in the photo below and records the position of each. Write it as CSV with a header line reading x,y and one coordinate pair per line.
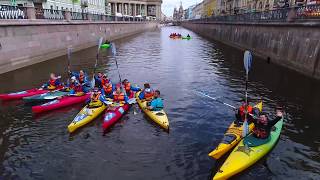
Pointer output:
x,y
128,88
119,96
188,36
75,87
241,112
53,83
107,86
97,98
97,79
156,104
263,126
147,93
82,79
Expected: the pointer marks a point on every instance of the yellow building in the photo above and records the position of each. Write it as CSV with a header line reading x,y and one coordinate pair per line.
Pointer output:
x,y
210,7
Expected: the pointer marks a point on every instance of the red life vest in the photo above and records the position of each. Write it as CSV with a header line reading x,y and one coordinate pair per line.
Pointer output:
x,y
52,82
107,88
259,131
148,95
104,81
118,97
127,87
76,88
242,111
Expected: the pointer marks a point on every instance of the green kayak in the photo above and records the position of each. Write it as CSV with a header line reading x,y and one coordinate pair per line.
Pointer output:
x,y
187,38
105,46
45,97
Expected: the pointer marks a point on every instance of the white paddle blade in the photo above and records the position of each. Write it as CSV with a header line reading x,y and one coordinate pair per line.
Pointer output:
x,y
247,61
69,52
50,97
113,49
245,128
132,101
100,43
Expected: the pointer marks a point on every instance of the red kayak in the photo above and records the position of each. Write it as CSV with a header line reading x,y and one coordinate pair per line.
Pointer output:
x,y
114,113
22,94
60,103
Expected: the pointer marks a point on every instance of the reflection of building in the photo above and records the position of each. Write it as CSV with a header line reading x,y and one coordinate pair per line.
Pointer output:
x,y
136,8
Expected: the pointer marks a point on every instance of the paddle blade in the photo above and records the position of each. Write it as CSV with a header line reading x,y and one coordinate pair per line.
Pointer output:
x,y
69,52
247,61
259,106
93,83
113,49
100,43
245,128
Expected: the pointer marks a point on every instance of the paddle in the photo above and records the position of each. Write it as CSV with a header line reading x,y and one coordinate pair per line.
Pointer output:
x,y
93,82
114,53
247,62
215,99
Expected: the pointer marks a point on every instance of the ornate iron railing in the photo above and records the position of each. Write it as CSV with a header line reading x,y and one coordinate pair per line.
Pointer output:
x,y
79,16
13,12
49,14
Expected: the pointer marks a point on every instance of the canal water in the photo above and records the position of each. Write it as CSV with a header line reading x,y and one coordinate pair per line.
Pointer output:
x,y
39,147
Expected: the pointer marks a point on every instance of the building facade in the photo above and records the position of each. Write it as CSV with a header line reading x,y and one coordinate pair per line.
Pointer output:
x,y
198,11
136,8
210,7
178,15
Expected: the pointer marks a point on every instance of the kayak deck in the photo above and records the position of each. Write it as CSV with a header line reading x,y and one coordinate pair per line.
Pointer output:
x,y
160,117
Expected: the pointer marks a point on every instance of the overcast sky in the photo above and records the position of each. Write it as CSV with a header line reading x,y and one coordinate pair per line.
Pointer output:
x,y
168,5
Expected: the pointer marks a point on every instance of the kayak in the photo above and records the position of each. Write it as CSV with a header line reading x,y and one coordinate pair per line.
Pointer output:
x,y
105,46
187,38
60,103
113,114
159,117
85,116
22,94
45,96
231,138
248,152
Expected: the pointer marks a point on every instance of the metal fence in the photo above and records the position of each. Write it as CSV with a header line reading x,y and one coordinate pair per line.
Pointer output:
x,y
79,16
50,14
13,12
278,15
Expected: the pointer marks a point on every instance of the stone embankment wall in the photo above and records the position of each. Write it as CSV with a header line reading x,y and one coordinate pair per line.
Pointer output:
x,y
27,42
293,45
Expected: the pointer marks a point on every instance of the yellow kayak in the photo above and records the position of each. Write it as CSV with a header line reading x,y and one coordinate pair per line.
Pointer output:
x,y
160,117
231,138
85,116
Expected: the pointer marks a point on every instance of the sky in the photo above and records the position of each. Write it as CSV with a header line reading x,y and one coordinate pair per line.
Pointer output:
x,y
168,5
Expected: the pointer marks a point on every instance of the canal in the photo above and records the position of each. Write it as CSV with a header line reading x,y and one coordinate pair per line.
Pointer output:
x,y
39,147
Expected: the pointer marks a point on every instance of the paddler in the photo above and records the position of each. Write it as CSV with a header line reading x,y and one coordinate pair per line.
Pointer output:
x,y
53,82
97,79
241,112
147,93
97,98
107,86
82,79
263,126
75,87
128,87
119,96
188,36
156,104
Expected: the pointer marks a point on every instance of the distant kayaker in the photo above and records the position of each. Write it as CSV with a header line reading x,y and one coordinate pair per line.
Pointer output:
x,y
107,86
188,36
243,109
82,79
97,98
263,126
156,104
119,96
53,83
128,87
107,42
147,93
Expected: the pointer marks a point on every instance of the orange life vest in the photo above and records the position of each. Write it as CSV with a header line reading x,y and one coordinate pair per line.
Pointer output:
x,y
242,111
104,81
118,97
127,86
259,131
107,88
148,95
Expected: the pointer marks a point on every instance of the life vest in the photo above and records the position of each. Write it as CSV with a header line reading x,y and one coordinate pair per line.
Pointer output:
x,y
242,111
76,88
95,97
107,88
104,81
127,87
52,82
148,94
81,78
118,97
259,130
